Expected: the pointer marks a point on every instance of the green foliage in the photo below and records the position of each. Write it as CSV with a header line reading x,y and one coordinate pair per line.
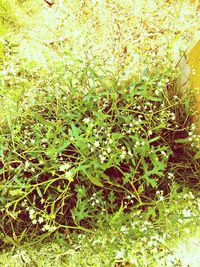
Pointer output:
x,y
9,13
170,238
59,154
85,138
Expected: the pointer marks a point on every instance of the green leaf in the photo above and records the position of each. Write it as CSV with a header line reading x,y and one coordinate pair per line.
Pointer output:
x,y
39,192
42,119
17,181
117,214
154,139
153,182
180,141
92,179
74,131
62,147
197,155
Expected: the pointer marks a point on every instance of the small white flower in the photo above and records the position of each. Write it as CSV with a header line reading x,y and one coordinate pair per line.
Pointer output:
x,y
31,212
161,198
191,196
27,164
69,176
137,143
86,120
40,220
96,144
103,158
46,227
163,153
170,175
130,153
119,254
186,213
64,167
123,155
34,221
108,149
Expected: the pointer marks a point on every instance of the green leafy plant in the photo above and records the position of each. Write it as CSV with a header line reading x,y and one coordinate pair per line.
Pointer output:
x,y
86,137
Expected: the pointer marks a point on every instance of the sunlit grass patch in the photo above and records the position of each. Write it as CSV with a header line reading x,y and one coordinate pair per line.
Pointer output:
x,y
128,38
188,251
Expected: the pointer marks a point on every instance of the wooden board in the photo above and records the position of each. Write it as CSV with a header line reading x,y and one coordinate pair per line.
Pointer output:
x,y
194,63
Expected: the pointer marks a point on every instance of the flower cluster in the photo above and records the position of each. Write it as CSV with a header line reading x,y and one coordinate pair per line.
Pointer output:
x,y
193,137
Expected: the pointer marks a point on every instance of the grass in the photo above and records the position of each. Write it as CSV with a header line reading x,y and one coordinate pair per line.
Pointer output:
x,y
98,152
126,240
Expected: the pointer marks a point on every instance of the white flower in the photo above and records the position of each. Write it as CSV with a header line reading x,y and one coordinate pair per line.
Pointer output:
x,y
34,221
108,149
137,143
130,153
119,254
170,175
27,164
69,176
64,167
49,228
186,213
163,153
191,196
161,198
103,158
46,227
40,220
31,212
123,155
96,144
86,120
